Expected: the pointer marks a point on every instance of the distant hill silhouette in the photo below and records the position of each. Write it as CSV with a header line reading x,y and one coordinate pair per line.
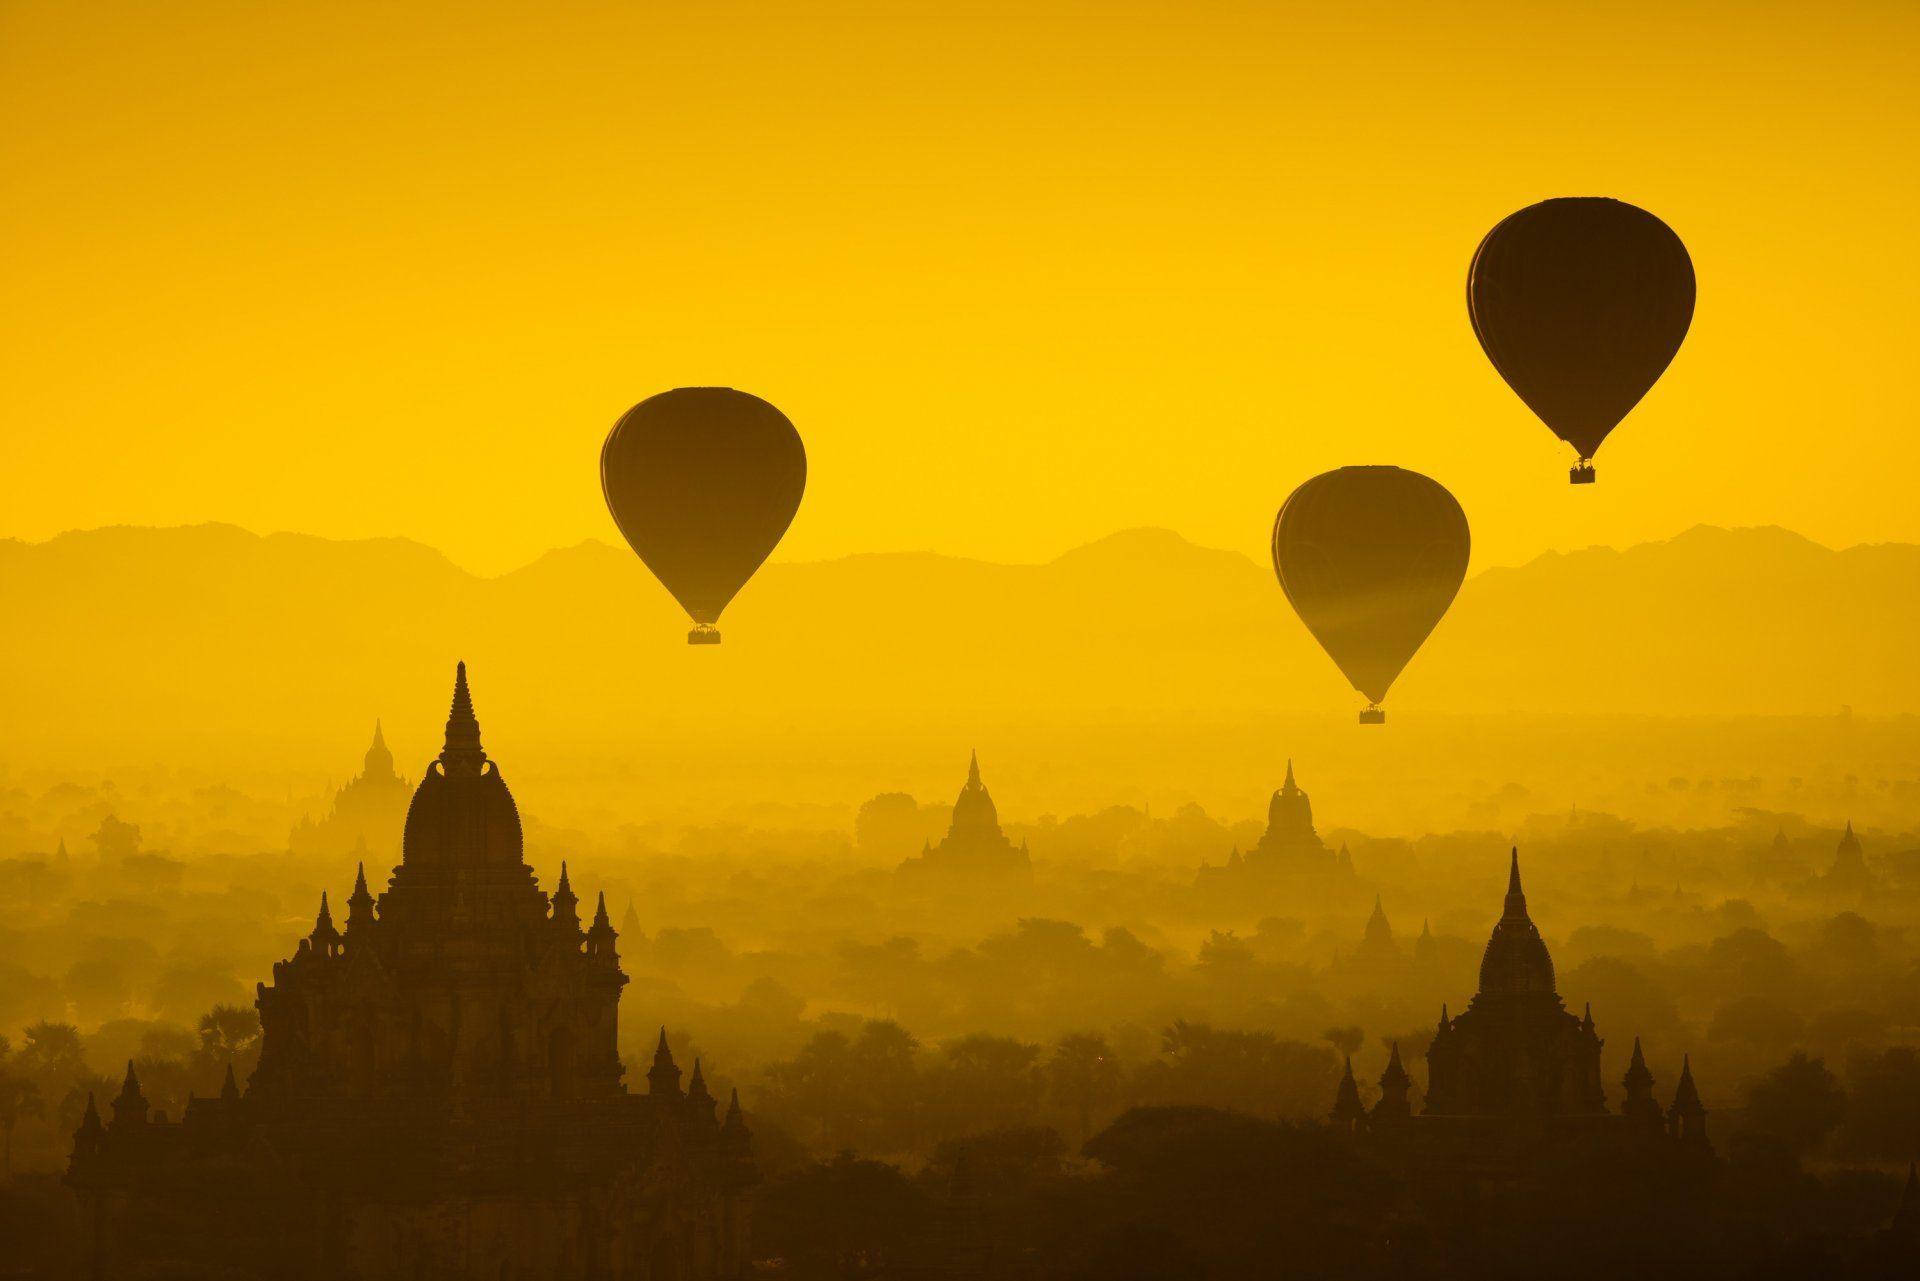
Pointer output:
x,y
136,633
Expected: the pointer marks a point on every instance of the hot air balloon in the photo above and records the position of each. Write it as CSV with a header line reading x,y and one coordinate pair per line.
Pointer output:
x,y
703,481
1370,558
1581,303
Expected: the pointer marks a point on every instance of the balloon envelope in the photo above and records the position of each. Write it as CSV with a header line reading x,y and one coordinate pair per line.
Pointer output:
x,y
703,481
1370,558
1581,303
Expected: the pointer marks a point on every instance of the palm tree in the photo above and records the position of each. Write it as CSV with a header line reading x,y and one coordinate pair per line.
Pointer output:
x,y
229,1037
227,1030
1083,1072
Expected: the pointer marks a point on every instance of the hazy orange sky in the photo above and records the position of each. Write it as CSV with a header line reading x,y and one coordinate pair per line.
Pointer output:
x,y
1022,273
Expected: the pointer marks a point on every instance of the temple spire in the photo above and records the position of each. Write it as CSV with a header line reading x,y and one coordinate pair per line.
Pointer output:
x,y
229,1088
663,1077
1687,1118
130,1108
1347,1110
1639,1106
1395,1088
462,752
1637,1067
1516,905
734,1127
360,902
697,1093
90,1119
566,904
1289,785
379,760
600,938
325,938
973,769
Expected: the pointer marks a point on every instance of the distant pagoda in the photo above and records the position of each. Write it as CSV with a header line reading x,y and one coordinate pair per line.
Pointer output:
x,y
1290,837
1849,876
974,847
365,815
1289,850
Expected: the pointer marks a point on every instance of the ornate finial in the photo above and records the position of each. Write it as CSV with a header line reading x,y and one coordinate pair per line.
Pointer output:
x,y
462,752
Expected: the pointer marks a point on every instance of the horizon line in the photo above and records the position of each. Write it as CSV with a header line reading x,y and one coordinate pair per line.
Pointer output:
x,y
1122,532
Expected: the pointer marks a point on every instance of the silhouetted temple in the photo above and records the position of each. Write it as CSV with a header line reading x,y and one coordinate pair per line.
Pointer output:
x,y
1515,1073
366,814
439,1093
1379,956
1288,848
1848,877
1289,836
974,845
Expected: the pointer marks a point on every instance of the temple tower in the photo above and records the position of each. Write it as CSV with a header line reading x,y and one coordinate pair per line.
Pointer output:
x,y
1515,1049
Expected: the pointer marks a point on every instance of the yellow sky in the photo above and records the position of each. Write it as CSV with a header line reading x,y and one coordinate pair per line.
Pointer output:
x,y
1021,273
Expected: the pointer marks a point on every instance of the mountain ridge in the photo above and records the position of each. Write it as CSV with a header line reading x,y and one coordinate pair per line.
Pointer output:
x,y
195,627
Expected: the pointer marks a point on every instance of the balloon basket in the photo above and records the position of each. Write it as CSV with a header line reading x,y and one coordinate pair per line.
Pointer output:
x,y
704,634
1373,716
1581,473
